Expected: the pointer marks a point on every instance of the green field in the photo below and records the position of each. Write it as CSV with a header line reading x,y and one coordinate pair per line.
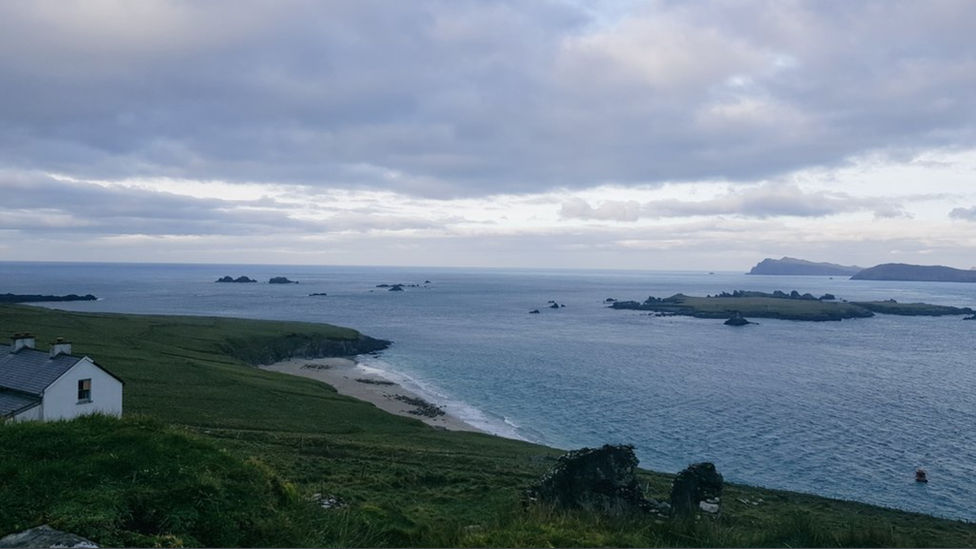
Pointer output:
x,y
216,452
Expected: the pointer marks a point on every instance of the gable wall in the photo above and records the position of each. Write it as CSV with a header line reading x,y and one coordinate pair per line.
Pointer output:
x,y
30,414
61,397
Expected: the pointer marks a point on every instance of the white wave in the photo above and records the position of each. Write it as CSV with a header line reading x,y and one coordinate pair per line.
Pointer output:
x,y
467,413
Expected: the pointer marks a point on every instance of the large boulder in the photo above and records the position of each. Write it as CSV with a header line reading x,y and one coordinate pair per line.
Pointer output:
x,y
594,479
697,489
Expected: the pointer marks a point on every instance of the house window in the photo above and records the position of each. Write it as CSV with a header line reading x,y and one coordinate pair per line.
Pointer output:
x,y
84,390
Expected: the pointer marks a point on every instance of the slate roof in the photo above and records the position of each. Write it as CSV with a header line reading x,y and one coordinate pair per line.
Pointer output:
x,y
31,371
11,403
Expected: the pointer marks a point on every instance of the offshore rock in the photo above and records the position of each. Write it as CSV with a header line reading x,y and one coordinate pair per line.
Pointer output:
x,y
239,280
281,280
594,479
737,320
695,489
45,536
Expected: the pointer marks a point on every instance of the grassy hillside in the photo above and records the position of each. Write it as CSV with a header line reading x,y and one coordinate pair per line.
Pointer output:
x,y
402,482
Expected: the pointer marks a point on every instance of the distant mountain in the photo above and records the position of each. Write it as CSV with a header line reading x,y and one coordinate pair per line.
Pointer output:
x,y
793,266
916,273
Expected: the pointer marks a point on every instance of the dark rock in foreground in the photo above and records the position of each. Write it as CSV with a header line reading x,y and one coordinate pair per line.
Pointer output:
x,y
34,298
281,280
594,479
737,320
915,273
696,489
793,266
239,280
45,536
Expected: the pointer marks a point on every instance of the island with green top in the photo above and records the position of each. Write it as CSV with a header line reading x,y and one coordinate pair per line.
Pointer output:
x,y
783,306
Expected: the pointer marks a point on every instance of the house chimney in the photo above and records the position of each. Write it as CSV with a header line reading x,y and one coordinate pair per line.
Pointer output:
x,y
22,340
60,347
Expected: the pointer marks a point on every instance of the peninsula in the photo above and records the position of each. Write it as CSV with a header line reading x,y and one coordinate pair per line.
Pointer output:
x,y
916,273
35,298
793,266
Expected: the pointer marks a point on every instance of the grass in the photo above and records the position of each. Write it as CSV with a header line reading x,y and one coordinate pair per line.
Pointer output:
x,y
190,390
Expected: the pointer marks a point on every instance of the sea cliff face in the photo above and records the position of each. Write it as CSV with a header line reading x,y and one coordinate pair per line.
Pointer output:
x,y
275,349
915,273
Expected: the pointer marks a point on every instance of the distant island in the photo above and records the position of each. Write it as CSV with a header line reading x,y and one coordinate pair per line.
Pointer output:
x,y
915,273
281,280
34,298
782,306
239,280
793,266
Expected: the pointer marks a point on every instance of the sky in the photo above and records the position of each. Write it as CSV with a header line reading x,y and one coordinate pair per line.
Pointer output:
x,y
662,135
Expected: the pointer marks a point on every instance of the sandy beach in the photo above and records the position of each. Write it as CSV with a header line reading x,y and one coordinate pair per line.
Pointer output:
x,y
352,380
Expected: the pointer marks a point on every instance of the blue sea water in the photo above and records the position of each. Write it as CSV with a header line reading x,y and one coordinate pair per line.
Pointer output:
x,y
842,409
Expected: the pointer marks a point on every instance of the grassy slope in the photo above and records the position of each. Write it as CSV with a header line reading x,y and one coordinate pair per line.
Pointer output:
x,y
407,484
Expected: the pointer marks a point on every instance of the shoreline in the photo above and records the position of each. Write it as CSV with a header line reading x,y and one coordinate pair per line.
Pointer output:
x,y
350,379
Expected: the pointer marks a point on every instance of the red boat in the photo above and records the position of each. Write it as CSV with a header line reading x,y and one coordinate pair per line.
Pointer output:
x,y
920,475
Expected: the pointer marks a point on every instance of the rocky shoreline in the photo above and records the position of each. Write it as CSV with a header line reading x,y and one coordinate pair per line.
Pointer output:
x,y
350,378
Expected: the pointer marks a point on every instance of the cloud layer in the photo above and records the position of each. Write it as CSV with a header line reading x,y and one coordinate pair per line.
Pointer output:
x,y
488,132
449,98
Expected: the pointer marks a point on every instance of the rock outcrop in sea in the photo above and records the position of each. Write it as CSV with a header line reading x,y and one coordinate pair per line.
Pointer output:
x,y
737,320
239,280
281,280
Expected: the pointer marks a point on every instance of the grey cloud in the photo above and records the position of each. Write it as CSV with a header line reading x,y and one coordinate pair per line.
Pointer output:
x,y
41,203
760,202
966,214
447,98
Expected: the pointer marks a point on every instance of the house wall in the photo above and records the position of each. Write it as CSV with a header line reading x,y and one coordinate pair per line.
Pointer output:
x,y
30,414
61,397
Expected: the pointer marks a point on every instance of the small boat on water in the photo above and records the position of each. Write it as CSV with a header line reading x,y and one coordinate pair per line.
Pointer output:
x,y
920,475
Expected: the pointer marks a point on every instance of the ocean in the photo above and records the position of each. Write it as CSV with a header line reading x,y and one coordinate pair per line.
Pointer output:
x,y
841,409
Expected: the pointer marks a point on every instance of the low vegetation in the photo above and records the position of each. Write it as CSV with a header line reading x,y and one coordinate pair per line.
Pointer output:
x,y
216,452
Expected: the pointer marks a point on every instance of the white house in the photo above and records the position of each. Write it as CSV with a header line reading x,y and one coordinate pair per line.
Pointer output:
x,y
52,385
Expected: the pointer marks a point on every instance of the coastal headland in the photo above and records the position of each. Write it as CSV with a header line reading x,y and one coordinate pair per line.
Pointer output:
x,y
215,451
